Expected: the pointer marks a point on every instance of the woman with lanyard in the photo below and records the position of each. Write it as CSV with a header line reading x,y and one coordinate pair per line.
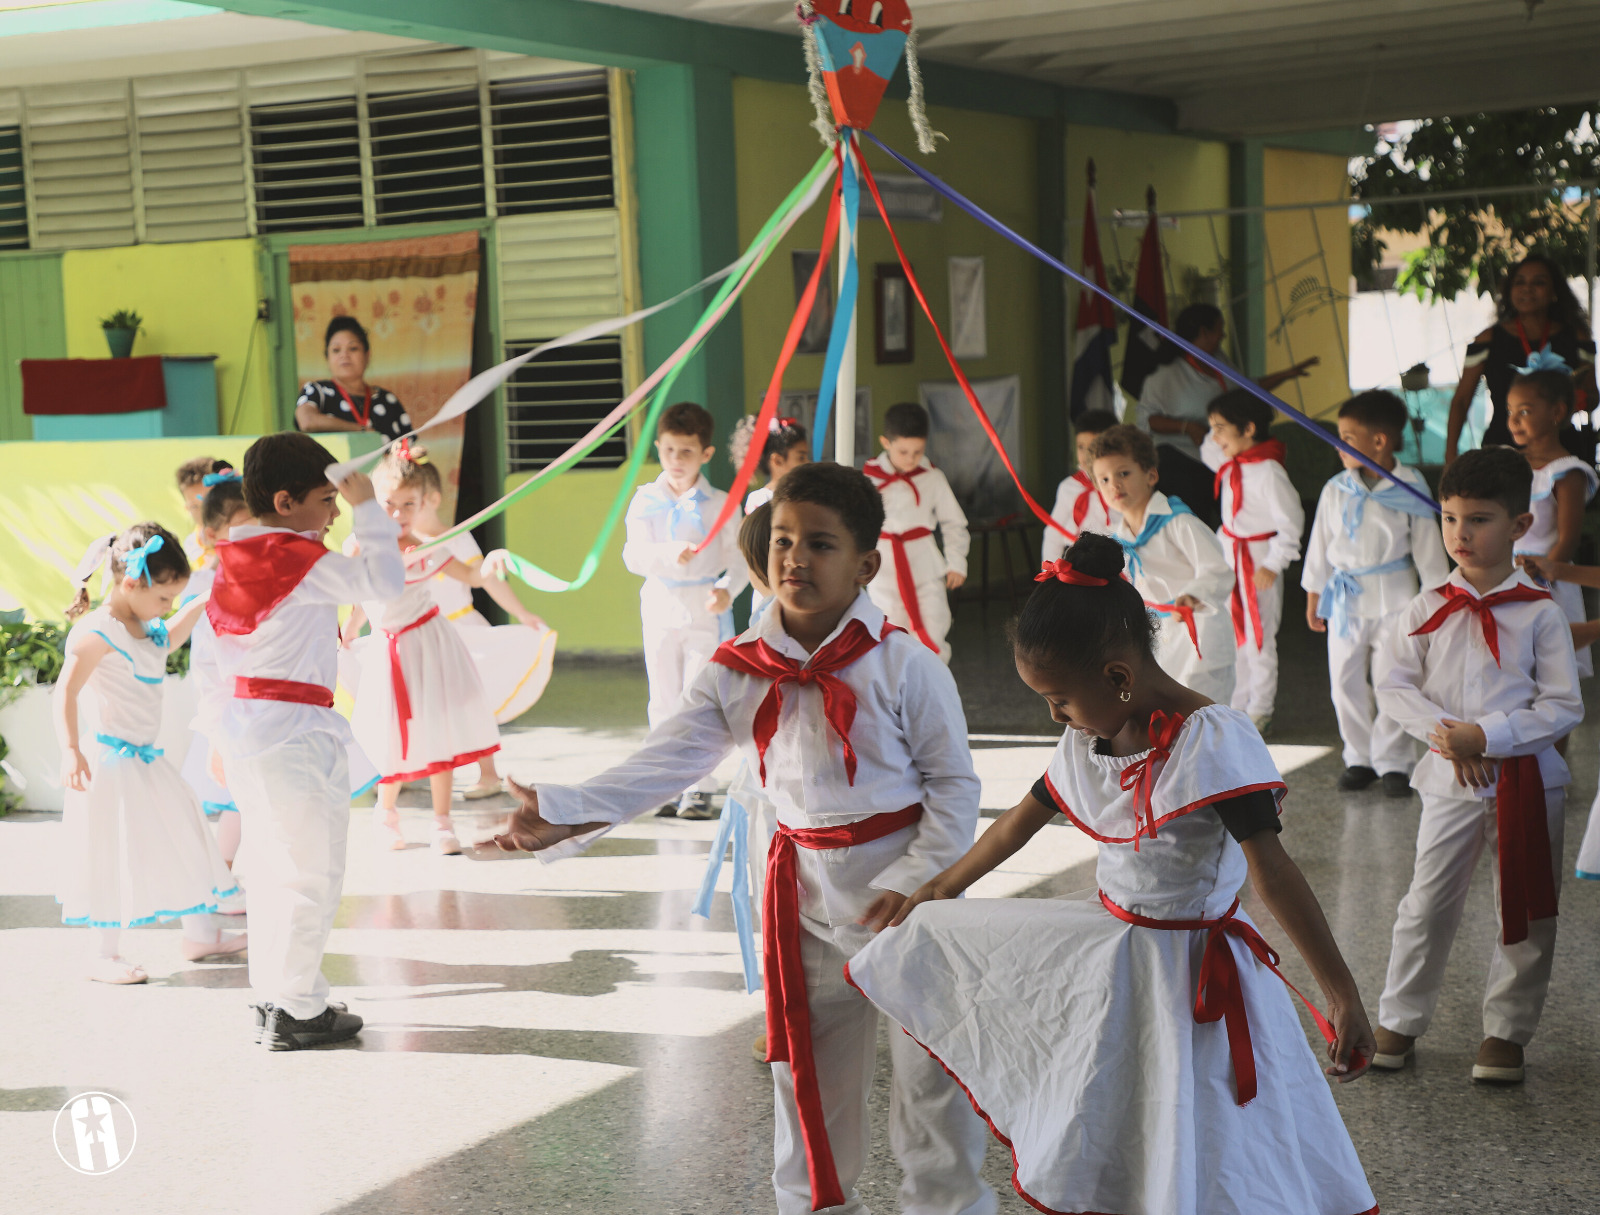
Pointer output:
x,y
1537,312
1172,407
347,401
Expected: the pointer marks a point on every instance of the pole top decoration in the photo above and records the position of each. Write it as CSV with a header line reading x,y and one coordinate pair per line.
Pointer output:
x,y
852,50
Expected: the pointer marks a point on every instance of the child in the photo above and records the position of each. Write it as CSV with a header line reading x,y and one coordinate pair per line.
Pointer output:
x,y
1262,520
1537,405
192,485
1482,670
867,765
275,609
913,586
784,449
1079,507
685,600
420,710
1175,562
1077,1025
137,846
1370,544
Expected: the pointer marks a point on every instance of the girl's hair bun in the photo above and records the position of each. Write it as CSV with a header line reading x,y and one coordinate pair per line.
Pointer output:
x,y
1098,556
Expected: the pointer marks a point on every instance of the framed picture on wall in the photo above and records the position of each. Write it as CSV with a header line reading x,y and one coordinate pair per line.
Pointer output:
x,y
814,337
893,305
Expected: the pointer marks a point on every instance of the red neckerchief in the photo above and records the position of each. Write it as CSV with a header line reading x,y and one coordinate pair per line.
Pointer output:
x,y
838,701
254,576
1204,370
887,477
1233,470
1080,508
361,415
1141,776
1458,599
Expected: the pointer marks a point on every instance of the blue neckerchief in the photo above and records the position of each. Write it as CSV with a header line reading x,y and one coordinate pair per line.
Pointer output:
x,y
1357,493
123,749
1344,585
156,631
1153,523
683,515
735,826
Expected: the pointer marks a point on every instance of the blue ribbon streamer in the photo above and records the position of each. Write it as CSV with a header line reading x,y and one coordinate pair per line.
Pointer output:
x,y
850,195
124,749
1342,587
1221,368
734,826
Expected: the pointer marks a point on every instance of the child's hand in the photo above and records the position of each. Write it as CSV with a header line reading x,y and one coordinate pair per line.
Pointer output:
x,y
1265,578
357,488
1473,773
687,555
1314,622
886,908
1458,739
1351,1051
1542,569
718,601
927,892
528,618
214,766
528,831
74,770
953,579
494,565
1188,601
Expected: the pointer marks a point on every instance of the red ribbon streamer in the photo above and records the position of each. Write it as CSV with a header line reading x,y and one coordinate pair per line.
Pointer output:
x,y
788,1007
1141,776
1458,599
1219,995
886,479
905,583
397,678
1527,881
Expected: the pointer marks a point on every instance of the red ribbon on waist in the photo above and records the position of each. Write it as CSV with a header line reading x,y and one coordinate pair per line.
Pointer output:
x,y
1527,877
788,1006
905,583
397,677
1244,586
247,687
1184,613
1219,995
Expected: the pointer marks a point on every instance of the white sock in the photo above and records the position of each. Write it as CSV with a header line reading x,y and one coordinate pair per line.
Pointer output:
x,y
201,929
109,941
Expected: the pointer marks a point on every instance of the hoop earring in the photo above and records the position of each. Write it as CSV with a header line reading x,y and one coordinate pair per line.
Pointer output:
x,y
1125,696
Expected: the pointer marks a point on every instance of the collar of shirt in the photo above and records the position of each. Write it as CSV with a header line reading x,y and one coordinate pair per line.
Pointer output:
x,y
700,489
770,628
1158,505
1519,577
252,530
882,461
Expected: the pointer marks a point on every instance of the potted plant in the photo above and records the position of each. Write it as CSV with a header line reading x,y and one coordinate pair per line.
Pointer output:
x,y
121,327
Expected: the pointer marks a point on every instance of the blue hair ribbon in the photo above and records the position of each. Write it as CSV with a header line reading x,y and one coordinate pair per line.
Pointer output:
x,y
220,478
136,564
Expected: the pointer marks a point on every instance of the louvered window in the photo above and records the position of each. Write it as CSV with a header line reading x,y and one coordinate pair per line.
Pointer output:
x,y
13,197
191,156
307,157
427,155
81,165
552,143
556,398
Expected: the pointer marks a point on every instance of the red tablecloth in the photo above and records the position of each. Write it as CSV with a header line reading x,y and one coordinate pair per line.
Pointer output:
x,y
79,386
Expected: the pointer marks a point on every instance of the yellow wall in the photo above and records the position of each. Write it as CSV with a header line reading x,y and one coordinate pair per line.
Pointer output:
x,y
1313,299
197,298
989,158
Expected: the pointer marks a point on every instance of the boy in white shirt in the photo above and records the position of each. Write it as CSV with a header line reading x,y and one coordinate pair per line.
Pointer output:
x,y
1371,545
856,733
912,588
1262,520
1481,669
1175,562
685,602
274,608
1079,507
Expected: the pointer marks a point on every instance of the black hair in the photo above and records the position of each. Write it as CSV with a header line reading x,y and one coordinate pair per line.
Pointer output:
x,y
346,324
755,542
1552,387
783,436
1564,305
856,500
1239,407
1490,474
193,472
1094,422
1188,325
222,501
907,420
1063,626
1125,440
687,418
163,565
1378,409
288,461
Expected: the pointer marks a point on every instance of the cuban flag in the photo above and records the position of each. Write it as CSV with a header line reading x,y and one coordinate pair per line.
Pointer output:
x,y
1096,330
1149,300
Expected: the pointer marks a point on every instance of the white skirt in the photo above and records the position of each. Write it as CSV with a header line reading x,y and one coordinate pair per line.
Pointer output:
x,y
513,662
1589,850
451,722
136,847
1074,1035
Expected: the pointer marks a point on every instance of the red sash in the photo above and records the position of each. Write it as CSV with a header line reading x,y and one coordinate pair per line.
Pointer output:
x,y
247,687
1458,599
1243,599
905,583
1219,995
254,576
1527,881
397,677
788,1007
885,477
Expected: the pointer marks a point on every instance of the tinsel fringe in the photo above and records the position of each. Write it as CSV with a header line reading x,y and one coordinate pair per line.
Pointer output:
x,y
823,122
926,135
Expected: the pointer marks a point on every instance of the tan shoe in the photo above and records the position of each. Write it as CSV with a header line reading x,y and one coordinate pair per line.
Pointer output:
x,y
445,842
1499,1062
758,1049
1393,1049
484,788
116,970
226,948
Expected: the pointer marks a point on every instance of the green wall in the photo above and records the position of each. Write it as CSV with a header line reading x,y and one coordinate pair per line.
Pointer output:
x,y
33,325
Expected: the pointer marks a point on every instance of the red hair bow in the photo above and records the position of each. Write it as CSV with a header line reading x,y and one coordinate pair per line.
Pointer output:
x,y
1063,571
403,450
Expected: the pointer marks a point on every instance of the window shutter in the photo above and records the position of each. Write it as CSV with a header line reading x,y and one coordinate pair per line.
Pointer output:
x,y
80,156
425,123
557,398
13,187
552,141
558,272
191,156
305,146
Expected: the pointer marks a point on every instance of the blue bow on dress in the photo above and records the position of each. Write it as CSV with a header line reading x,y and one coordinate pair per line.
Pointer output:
x,y
156,631
123,749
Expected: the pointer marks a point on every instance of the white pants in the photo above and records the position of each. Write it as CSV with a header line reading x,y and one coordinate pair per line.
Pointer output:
x,y
295,803
936,1137
1453,833
933,601
672,660
1255,685
1372,739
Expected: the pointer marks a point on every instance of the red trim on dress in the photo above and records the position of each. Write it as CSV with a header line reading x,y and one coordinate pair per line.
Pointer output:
x,y
1066,811
442,765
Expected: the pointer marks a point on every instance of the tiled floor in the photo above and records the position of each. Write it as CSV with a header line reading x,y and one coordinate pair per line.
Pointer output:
x,y
569,1039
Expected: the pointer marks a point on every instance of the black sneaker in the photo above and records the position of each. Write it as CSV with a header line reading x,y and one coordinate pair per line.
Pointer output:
x,y
332,1024
259,1013
698,806
1359,777
670,810
1396,784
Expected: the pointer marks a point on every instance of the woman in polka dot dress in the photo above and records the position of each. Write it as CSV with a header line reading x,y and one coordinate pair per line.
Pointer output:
x,y
347,401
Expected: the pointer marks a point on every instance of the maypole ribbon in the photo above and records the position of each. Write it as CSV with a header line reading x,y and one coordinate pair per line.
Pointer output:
x,y
840,335
1216,365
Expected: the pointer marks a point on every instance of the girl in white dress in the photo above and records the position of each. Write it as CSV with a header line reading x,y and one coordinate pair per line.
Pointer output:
x,y
137,848
786,447
1138,1051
